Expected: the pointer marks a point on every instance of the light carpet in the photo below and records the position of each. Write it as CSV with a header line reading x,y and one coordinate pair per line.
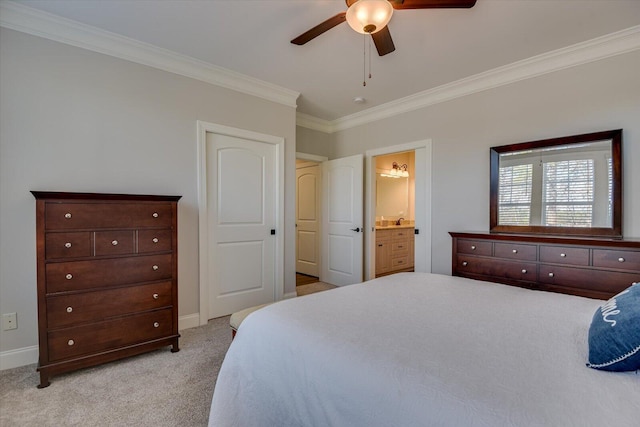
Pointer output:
x,y
155,389
159,388
312,288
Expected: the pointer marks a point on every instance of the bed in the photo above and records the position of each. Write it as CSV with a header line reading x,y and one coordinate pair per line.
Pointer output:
x,y
417,349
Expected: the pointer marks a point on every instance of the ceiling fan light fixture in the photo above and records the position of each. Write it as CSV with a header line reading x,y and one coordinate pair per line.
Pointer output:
x,y
369,16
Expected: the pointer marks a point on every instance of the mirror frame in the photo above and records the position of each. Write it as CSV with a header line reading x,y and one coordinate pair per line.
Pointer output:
x,y
615,231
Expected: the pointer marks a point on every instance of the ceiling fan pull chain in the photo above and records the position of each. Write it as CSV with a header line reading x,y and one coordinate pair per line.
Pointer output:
x,y
364,60
369,57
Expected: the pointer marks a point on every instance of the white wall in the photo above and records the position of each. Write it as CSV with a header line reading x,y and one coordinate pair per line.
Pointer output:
x,y
75,120
598,96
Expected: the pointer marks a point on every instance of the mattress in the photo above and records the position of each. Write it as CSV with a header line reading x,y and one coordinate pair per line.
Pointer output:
x,y
417,349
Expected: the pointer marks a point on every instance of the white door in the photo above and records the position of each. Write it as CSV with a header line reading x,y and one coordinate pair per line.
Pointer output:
x,y
342,220
241,186
308,219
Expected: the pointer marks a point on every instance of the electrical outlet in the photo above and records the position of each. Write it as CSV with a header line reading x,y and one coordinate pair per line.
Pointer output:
x,y
9,321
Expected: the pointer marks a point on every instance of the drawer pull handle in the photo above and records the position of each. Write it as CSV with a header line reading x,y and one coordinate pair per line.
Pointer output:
x,y
155,215
156,324
69,276
563,255
70,342
380,245
114,242
524,271
155,268
155,240
515,251
400,246
67,245
69,309
156,296
620,259
464,263
67,215
473,247
551,274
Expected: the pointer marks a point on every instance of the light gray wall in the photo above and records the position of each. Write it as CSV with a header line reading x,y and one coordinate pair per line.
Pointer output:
x,y
310,141
599,96
75,120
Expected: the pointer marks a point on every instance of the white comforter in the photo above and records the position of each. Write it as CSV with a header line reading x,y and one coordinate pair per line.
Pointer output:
x,y
421,350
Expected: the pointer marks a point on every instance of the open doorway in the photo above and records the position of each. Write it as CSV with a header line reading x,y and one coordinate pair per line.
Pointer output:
x,y
394,213
419,250
308,218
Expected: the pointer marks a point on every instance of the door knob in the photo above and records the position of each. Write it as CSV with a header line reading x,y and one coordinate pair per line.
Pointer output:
x,y
357,229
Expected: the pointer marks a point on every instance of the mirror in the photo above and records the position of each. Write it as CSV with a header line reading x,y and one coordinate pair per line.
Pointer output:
x,y
392,196
564,186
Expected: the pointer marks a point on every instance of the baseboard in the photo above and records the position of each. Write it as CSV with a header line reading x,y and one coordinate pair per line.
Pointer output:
x,y
189,321
19,357
290,295
28,355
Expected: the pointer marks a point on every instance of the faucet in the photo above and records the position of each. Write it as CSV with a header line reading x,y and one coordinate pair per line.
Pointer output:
x,y
399,221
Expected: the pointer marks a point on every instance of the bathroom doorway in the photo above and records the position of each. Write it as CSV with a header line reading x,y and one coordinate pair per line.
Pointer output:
x,y
396,217
395,213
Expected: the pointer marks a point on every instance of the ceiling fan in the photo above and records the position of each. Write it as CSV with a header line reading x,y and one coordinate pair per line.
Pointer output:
x,y
372,16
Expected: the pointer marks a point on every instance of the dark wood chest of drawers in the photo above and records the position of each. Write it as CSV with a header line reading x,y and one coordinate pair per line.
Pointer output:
x,y
596,268
107,278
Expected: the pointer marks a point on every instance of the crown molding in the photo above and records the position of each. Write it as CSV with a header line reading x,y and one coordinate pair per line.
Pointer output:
x,y
42,24
314,123
613,44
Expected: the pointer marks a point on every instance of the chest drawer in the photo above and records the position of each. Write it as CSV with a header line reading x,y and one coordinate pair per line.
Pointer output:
x,y
624,260
96,337
474,247
516,251
564,255
114,242
89,307
65,216
78,275
67,245
154,240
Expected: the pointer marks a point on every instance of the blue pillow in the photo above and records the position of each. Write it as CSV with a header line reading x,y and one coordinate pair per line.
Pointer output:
x,y
614,334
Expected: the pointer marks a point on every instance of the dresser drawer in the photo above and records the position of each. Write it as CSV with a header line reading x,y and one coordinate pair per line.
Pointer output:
x,y
596,280
154,240
114,242
564,255
89,307
65,216
624,260
67,245
77,275
515,251
496,268
108,335
475,247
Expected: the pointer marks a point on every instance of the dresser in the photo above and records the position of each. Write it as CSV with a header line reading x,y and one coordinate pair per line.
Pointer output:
x,y
107,278
581,266
394,250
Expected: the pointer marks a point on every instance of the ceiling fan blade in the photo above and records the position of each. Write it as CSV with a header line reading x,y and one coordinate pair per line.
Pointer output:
x,y
319,29
383,41
432,4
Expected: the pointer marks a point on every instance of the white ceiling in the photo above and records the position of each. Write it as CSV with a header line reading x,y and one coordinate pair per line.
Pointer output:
x,y
433,47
